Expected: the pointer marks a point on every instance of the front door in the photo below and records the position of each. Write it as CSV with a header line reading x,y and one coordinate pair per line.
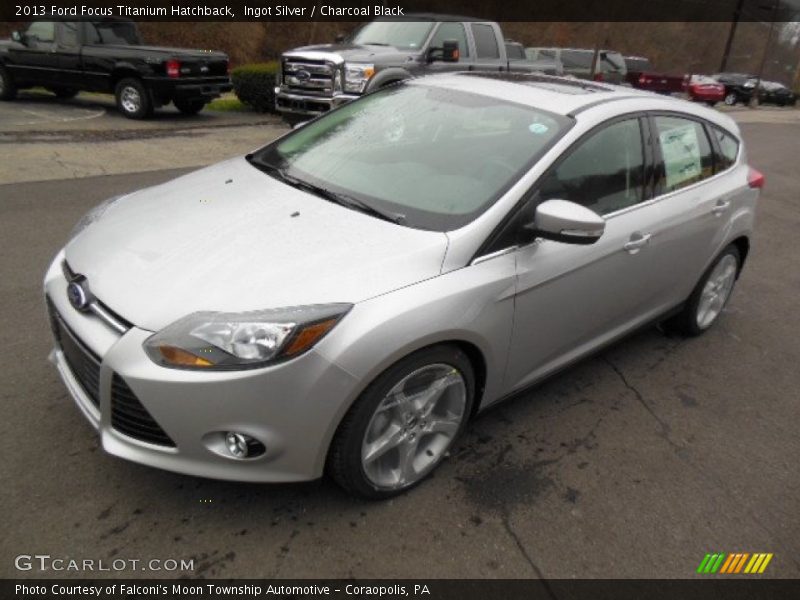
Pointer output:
x,y
571,298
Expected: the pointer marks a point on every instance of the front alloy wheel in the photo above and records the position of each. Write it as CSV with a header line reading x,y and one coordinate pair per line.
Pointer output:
x,y
402,426
730,99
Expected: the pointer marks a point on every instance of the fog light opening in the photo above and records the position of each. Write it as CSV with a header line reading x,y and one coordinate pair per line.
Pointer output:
x,y
241,445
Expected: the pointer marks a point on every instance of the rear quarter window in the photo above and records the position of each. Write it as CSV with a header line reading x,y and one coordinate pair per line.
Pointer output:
x,y
728,149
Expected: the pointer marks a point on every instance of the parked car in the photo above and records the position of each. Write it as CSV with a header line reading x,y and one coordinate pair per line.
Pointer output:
x,y
739,87
516,55
314,79
107,55
772,92
578,63
376,277
703,88
642,75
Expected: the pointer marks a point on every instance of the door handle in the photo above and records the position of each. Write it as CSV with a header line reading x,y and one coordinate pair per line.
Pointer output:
x,y
637,242
720,207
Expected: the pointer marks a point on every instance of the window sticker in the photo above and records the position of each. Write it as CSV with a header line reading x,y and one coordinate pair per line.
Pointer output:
x,y
681,151
538,128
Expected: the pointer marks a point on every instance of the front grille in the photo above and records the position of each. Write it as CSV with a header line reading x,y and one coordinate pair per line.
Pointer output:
x,y
309,76
84,364
130,417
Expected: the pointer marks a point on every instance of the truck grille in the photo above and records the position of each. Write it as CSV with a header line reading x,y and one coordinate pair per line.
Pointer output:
x,y
84,364
130,417
309,76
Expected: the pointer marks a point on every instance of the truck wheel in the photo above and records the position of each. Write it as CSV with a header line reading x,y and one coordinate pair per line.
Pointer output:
x,y
8,91
133,99
64,93
189,107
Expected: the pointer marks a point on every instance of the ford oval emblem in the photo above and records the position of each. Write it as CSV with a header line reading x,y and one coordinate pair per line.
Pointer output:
x,y
78,294
303,75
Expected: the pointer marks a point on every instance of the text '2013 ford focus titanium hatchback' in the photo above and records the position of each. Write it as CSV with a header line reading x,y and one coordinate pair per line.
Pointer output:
x,y
347,297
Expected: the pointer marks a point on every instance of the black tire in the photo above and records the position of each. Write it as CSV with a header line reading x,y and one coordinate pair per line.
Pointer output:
x,y
8,90
133,99
344,462
64,93
189,107
686,322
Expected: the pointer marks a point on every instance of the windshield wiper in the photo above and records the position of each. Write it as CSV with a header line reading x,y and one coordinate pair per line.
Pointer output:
x,y
373,44
335,197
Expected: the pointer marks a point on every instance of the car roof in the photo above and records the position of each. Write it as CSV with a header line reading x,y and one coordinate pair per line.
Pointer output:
x,y
565,95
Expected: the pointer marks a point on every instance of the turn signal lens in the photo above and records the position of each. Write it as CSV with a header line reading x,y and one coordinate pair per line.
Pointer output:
x,y
308,337
182,358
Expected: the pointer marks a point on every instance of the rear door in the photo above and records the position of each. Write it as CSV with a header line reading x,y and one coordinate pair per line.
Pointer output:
x,y
696,196
488,55
571,298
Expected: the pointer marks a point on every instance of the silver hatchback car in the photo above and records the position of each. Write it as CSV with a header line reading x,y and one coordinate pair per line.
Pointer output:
x,y
347,297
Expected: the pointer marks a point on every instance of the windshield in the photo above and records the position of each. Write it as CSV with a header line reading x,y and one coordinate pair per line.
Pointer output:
x,y
400,34
436,157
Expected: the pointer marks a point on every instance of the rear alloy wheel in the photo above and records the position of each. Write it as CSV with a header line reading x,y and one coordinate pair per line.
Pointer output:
x,y
8,91
710,295
133,99
403,425
189,107
730,99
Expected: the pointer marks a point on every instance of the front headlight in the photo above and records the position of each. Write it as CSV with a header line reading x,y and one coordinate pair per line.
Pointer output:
x,y
92,216
226,341
356,76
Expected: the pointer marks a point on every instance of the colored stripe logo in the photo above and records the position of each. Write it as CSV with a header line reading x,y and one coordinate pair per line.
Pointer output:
x,y
734,563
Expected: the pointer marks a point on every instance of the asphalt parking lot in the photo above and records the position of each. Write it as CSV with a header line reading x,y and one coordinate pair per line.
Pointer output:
x,y
634,463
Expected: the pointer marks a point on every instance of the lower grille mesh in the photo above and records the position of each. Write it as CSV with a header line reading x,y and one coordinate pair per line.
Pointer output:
x,y
130,417
83,363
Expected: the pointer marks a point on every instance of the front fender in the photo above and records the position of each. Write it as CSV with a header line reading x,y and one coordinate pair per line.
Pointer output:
x,y
386,76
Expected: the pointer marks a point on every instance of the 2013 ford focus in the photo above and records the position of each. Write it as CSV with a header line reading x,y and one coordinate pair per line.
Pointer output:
x,y
348,296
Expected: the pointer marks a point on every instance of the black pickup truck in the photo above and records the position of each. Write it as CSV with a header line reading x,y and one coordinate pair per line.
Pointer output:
x,y
314,79
107,55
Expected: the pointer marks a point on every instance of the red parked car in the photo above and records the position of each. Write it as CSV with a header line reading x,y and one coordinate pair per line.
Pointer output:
x,y
702,88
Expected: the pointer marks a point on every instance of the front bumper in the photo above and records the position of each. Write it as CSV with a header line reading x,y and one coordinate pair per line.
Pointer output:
x,y
310,106
292,408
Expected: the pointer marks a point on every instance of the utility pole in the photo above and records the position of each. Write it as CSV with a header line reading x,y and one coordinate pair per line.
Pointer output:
x,y
737,13
754,98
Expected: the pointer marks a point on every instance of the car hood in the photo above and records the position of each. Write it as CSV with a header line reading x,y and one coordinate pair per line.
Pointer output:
x,y
357,53
231,238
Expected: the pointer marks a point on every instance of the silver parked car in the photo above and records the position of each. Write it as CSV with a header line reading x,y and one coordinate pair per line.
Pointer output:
x,y
348,296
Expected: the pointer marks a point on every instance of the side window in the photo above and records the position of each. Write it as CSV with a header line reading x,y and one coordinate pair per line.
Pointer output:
x,y
68,34
604,173
580,59
451,31
44,31
728,149
685,152
485,41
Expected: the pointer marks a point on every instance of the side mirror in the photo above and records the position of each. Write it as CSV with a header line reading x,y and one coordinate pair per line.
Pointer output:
x,y
567,222
447,53
18,37
340,37
450,51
